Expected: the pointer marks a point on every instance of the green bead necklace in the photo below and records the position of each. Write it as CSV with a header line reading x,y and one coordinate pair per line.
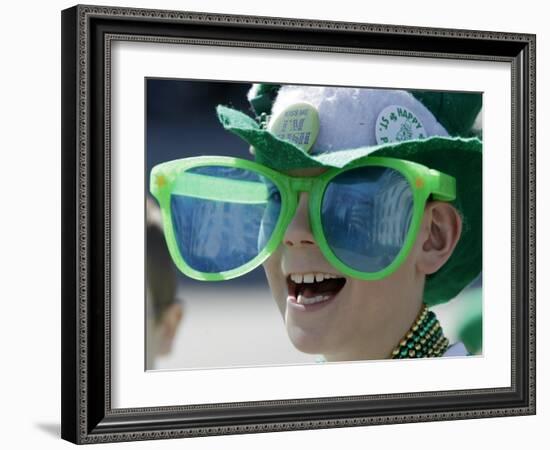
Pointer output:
x,y
425,338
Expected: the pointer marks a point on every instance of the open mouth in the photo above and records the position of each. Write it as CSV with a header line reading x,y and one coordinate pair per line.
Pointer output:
x,y
313,288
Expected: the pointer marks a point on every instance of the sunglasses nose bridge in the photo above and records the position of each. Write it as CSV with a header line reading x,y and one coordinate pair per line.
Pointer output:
x,y
302,184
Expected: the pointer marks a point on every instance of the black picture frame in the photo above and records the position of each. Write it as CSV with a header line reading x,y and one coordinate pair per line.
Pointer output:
x,y
87,415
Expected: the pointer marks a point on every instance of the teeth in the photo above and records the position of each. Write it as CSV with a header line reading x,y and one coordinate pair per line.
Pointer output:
x,y
310,277
297,278
308,301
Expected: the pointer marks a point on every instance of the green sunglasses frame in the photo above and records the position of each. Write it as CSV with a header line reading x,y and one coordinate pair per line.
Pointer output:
x,y
165,180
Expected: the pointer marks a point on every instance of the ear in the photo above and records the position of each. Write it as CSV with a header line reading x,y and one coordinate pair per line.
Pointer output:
x,y
440,230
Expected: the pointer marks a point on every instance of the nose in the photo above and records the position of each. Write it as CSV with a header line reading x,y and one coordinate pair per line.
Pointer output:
x,y
298,232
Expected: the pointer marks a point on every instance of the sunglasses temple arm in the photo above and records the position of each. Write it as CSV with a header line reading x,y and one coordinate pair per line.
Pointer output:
x,y
444,186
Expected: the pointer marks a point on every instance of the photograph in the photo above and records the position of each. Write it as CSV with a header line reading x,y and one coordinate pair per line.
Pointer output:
x,y
307,224
281,224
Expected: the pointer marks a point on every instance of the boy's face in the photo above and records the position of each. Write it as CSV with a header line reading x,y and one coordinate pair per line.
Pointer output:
x,y
355,319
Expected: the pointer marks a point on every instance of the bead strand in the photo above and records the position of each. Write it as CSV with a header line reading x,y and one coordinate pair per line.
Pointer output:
x,y
425,338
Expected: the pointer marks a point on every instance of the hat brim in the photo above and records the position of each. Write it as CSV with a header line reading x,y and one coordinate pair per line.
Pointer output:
x,y
458,157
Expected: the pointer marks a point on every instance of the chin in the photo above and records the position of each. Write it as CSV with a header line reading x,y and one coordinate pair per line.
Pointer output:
x,y
305,341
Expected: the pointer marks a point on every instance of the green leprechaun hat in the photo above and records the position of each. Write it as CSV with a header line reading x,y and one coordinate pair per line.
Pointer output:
x,y
299,127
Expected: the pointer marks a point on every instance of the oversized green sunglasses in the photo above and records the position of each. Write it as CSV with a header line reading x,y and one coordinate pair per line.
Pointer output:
x,y
224,216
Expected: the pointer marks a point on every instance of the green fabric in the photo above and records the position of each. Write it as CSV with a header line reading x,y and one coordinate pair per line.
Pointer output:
x,y
263,100
270,146
458,157
456,111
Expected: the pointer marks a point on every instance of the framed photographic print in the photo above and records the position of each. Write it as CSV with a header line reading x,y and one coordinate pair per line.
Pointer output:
x,y
267,222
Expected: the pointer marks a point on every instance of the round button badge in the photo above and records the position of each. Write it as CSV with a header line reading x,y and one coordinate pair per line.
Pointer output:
x,y
298,124
396,123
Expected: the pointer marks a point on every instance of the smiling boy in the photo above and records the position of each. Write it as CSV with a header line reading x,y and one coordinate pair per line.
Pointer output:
x,y
345,318
372,213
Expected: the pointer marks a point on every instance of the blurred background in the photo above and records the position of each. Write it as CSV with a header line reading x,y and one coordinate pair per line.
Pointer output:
x,y
195,324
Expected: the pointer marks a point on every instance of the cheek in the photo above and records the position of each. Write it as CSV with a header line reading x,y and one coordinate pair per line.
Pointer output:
x,y
374,296
406,273
276,280
365,295
272,268
383,298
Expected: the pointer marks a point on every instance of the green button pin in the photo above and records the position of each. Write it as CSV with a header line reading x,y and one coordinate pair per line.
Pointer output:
x,y
298,124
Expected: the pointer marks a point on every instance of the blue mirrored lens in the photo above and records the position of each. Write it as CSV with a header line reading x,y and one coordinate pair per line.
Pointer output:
x,y
222,216
366,214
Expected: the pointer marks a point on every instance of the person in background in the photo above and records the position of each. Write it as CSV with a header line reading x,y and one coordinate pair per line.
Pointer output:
x,y
164,307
